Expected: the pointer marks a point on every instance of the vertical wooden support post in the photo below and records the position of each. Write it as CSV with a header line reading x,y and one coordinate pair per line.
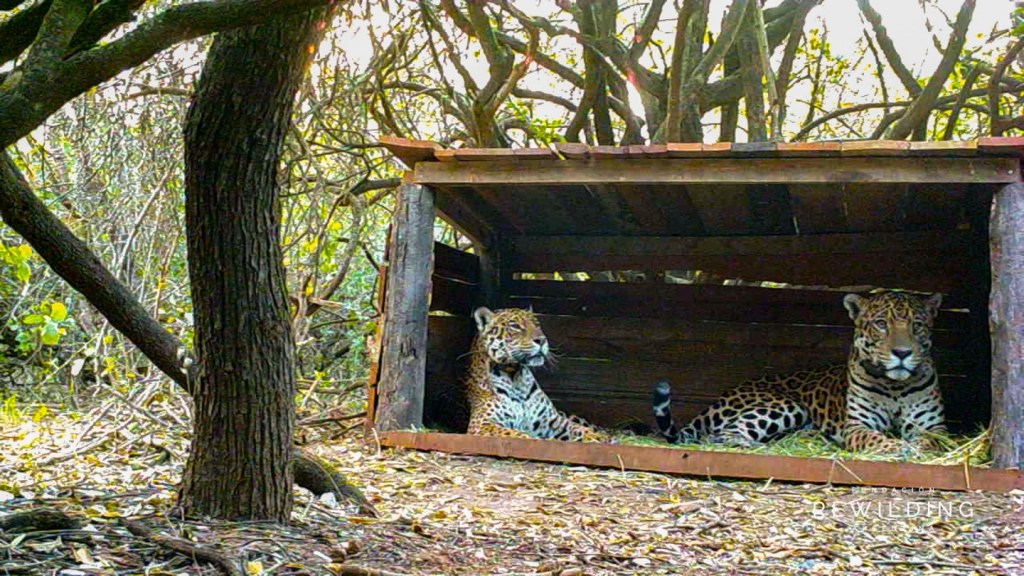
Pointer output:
x,y
492,271
1006,315
404,345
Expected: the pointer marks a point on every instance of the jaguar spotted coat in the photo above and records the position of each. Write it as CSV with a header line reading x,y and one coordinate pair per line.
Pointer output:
x,y
504,396
885,398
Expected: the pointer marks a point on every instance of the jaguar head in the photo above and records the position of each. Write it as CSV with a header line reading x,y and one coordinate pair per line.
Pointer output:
x,y
892,332
511,336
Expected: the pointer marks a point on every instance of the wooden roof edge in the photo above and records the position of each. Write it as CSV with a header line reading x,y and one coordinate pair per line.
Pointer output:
x,y
412,151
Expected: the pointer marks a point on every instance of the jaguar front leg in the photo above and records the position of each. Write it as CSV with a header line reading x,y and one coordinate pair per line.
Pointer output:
x,y
859,438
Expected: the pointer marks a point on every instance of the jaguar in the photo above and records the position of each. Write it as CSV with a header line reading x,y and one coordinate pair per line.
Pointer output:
x,y
885,398
504,396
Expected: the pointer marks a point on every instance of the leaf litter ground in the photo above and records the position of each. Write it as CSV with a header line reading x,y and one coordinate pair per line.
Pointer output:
x,y
448,514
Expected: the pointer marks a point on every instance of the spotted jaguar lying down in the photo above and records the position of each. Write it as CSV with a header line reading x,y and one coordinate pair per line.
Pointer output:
x,y
888,387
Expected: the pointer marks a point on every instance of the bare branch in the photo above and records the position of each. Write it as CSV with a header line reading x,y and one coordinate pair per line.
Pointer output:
x,y
961,100
888,48
993,87
924,102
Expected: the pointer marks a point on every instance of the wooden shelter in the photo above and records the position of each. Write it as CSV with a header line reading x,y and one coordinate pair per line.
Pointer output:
x,y
780,229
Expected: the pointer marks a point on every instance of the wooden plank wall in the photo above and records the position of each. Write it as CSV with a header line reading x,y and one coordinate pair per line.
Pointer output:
x,y
928,260
449,334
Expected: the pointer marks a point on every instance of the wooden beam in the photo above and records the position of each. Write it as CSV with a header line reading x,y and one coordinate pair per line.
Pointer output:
x,y
404,345
1006,318
914,260
612,170
718,464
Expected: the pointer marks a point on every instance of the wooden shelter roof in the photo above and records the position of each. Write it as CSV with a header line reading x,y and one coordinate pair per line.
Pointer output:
x,y
412,152
718,189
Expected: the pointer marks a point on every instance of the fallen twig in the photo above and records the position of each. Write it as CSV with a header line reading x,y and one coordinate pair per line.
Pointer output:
x,y
350,570
228,565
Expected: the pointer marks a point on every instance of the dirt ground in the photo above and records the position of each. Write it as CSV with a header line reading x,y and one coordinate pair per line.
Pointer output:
x,y
449,514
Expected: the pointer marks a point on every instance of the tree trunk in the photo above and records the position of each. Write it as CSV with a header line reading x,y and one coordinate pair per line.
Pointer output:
x,y
404,365
244,395
1006,316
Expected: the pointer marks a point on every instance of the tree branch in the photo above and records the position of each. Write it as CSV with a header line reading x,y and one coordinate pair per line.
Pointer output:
x,y
28,101
18,31
892,55
924,102
993,88
961,100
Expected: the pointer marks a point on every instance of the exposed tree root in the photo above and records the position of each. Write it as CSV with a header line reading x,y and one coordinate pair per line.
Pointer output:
x,y
227,564
38,519
320,477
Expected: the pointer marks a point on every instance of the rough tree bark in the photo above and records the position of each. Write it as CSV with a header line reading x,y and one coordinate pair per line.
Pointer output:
x,y
1006,316
245,388
403,367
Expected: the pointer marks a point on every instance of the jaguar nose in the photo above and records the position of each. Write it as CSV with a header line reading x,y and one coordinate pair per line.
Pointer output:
x,y
902,353
540,341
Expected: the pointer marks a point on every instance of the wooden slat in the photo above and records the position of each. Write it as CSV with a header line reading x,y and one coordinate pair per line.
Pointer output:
x,y
453,263
723,208
944,148
1003,145
573,150
684,149
452,296
930,261
872,207
935,206
818,149
491,154
410,151
716,149
875,148
661,209
981,169
694,302
717,464
818,208
754,149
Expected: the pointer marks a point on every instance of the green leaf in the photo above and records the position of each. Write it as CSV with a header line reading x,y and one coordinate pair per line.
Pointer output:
x,y
50,334
33,319
58,311
22,273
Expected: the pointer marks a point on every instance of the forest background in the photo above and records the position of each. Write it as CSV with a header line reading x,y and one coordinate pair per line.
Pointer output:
x,y
110,164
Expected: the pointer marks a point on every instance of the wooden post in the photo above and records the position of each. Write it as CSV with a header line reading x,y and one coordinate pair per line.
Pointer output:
x,y
1006,315
404,345
493,270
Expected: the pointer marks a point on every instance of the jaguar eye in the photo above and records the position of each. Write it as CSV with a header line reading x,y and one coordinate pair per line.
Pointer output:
x,y
515,328
880,324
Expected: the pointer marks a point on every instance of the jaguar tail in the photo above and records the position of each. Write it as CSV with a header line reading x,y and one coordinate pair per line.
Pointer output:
x,y
662,405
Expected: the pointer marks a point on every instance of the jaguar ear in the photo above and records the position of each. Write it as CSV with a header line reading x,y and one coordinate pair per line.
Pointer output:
x,y
854,304
934,303
483,317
